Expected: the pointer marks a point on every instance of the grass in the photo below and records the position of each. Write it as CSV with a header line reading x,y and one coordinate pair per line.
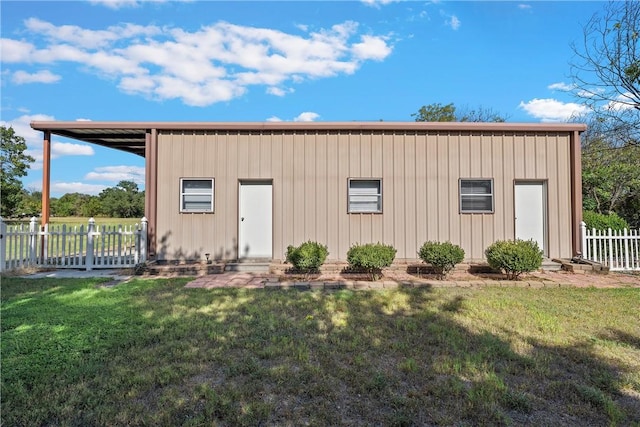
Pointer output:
x,y
150,352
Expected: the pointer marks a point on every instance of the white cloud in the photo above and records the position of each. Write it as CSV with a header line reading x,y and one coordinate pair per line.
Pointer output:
x,y
561,86
453,22
59,188
59,149
119,4
215,63
374,48
76,187
378,3
44,76
116,4
116,174
277,91
33,138
552,110
307,116
623,102
12,51
524,6
83,38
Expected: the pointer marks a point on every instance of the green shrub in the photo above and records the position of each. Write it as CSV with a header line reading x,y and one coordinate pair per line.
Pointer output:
x,y
604,222
371,258
442,256
514,257
308,257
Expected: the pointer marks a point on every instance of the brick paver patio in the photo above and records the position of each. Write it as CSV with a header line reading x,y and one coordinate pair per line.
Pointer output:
x,y
396,279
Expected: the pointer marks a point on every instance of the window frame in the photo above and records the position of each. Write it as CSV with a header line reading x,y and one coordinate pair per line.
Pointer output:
x,y
210,193
491,195
379,195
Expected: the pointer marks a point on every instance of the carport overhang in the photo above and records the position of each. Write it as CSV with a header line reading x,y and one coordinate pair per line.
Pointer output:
x,y
132,137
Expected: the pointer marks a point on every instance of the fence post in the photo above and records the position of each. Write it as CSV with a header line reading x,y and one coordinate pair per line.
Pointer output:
x,y
33,240
143,239
90,228
585,249
3,244
609,246
627,264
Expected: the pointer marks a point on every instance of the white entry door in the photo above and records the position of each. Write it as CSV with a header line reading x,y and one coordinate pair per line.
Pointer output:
x,y
255,221
531,212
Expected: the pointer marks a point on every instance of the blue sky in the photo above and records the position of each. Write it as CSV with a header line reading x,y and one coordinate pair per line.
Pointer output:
x,y
126,60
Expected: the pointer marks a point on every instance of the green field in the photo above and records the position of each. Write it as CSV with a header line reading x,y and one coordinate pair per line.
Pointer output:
x,y
151,352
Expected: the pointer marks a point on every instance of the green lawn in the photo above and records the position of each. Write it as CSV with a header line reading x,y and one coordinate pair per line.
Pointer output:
x,y
150,352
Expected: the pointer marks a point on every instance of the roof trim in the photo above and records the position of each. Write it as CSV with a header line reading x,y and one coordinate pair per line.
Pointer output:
x,y
54,126
131,136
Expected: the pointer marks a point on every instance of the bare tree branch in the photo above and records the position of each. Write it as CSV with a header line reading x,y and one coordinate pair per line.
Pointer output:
x,y
606,71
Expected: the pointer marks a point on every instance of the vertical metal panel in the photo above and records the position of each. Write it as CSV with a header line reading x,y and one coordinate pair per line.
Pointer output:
x,y
500,188
276,155
419,172
431,166
420,162
553,195
288,201
310,188
399,194
222,245
442,182
321,164
453,170
333,208
564,195
529,156
410,207
298,188
344,235
377,171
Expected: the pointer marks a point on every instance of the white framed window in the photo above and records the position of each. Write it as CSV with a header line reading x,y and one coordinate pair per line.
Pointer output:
x,y
476,195
365,195
196,195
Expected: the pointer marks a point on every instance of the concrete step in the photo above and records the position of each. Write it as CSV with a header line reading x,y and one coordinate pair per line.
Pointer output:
x,y
551,265
249,267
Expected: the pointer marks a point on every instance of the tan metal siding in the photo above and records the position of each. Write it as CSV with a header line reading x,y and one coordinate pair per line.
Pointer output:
x,y
420,174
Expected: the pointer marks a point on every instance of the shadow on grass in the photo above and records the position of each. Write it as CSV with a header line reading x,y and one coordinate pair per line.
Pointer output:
x,y
153,352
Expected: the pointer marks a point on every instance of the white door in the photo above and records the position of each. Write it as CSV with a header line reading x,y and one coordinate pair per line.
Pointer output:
x,y
531,212
255,221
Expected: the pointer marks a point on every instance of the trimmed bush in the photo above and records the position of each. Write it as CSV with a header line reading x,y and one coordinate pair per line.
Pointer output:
x,y
308,257
514,257
604,222
443,256
371,258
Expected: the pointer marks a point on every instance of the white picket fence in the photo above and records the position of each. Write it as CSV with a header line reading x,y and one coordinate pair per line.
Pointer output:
x,y
78,247
618,250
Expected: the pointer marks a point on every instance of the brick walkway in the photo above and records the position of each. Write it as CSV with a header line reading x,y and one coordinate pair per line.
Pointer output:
x,y
394,280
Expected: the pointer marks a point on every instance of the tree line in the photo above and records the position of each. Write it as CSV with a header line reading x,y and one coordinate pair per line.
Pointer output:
x,y
122,201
